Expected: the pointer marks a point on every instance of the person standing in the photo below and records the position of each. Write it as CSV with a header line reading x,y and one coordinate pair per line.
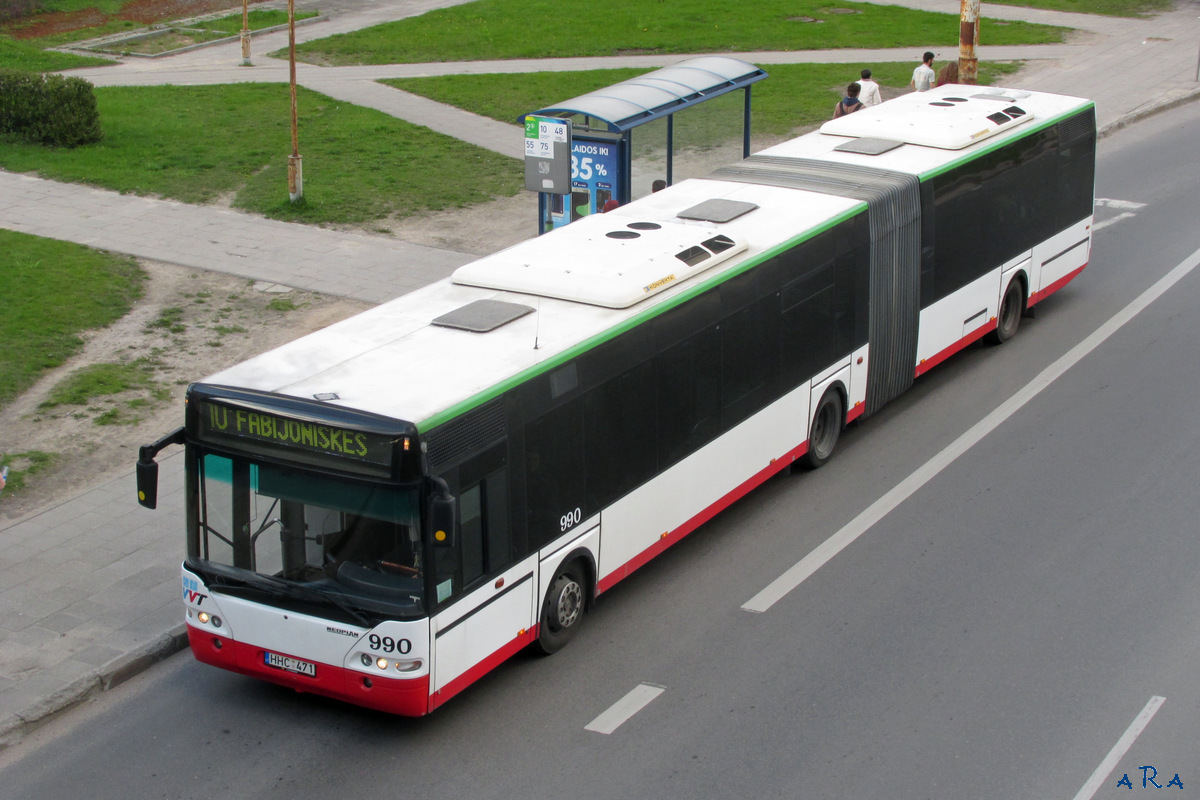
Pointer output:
x,y
923,76
850,103
869,90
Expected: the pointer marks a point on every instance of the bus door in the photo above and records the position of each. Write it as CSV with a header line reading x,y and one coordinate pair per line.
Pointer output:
x,y
485,600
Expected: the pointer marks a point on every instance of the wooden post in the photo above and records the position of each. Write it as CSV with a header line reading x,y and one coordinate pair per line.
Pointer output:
x,y
295,169
245,33
968,41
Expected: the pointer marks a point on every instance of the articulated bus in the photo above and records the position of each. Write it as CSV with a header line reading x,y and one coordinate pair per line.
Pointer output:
x,y
386,509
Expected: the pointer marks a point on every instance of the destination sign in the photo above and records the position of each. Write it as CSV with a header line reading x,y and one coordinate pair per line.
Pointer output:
x,y
231,422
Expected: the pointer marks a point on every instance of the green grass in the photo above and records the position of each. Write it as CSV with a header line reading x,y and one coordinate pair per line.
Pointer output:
x,y
164,41
359,164
795,95
68,6
100,380
30,57
1119,8
23,465
96,386
232,25
504,29
169,320
50,292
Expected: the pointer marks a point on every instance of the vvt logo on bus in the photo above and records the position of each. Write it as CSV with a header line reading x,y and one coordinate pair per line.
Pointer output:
x,y
192,593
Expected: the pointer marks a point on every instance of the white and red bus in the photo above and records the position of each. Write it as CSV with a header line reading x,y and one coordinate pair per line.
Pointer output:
x,y
385,510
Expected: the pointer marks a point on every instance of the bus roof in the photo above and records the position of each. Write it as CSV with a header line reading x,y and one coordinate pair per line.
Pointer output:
x,y
585,285
930,131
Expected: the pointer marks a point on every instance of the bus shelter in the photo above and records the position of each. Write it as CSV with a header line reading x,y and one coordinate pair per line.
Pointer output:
x,y
602,124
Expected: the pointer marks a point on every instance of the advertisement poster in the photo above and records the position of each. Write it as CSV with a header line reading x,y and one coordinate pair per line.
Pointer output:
x,y
595,171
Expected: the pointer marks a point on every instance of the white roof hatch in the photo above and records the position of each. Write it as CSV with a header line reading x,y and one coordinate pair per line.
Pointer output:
x,y
608,260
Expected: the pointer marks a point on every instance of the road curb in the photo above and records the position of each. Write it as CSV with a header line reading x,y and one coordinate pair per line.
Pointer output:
x,y
1148,110
113,674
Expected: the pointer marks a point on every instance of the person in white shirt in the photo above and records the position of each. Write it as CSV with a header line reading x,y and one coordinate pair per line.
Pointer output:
x,y
869,90
923,76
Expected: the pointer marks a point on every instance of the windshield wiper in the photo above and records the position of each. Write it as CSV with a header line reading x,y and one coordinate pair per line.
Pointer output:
x,y
271,585
296,592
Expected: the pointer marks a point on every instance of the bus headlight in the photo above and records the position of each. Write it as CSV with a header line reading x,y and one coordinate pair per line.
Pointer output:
x,y
408,666
382,663
203,617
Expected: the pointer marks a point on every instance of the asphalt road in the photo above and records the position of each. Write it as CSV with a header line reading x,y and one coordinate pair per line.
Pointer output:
x,y
994,635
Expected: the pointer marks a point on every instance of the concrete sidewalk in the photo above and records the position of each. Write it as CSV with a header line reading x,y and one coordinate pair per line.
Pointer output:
x,y
89,588
370,268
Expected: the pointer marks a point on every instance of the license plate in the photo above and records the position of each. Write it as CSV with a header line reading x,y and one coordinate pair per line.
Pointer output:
x,y
290,664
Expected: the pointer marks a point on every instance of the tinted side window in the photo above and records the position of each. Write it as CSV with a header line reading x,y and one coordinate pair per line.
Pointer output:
x,y
689,395
554,470
620,434
749,360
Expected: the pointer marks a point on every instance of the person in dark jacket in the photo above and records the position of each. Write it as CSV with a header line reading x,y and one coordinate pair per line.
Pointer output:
x,y
850,103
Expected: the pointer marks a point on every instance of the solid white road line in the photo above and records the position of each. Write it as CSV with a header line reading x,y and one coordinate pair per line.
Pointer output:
x,y
1120,748
799,572
625,708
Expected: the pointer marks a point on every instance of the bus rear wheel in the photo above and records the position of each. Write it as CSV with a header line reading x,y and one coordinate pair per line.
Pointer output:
x,y
562,612
1011,309
826,430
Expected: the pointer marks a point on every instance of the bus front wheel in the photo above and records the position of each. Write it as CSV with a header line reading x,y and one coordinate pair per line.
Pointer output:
x,y
562,612
826,429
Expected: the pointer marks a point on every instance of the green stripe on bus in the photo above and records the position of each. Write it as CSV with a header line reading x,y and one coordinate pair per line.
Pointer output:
x,y
996,145
428,424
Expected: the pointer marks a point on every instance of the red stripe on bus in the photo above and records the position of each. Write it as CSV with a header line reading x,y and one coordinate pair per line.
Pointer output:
x,y
485,666
1037,297
644,557
407,697
970,338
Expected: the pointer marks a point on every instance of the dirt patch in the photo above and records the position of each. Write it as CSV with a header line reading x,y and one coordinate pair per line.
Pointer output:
x,y
479,230
142,12
188,325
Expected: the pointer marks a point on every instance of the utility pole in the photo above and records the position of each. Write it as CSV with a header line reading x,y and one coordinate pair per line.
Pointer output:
x,y
245,33
295,171
968,41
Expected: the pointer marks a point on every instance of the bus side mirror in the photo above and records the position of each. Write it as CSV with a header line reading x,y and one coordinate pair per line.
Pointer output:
x,y
147,468
442,512
147,482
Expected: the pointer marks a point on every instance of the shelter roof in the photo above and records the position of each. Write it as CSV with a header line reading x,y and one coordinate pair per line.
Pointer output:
x,y
648,97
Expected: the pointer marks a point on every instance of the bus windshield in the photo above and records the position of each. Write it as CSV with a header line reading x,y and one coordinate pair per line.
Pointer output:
x,y
333,541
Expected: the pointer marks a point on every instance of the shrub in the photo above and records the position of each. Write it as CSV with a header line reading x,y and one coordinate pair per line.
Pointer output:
x,y
48,109
16,9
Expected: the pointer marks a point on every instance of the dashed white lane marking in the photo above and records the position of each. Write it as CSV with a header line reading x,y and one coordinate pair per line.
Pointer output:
x,y
1096,226
1122,746
1108,202
819,557
625,708
1129,207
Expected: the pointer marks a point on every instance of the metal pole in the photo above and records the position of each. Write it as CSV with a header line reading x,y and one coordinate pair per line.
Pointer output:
x,y
746,126
295,170
245,33
968,41
670,149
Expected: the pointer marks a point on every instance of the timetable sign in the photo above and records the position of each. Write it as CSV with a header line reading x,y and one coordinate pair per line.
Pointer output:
x,y
547,154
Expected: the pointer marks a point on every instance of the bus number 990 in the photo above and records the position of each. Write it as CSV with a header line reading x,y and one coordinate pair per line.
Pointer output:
x,y
570,520
389,645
